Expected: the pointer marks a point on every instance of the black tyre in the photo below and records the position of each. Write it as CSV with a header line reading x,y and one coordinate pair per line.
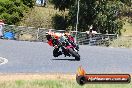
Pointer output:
x,y
74,54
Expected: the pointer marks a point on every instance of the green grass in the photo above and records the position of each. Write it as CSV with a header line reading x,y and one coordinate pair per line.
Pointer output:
x,y
3,0
57,84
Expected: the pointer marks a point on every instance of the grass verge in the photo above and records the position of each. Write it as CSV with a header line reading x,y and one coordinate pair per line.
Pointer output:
x,y
3,0
127,29
123,42
56,84
46,81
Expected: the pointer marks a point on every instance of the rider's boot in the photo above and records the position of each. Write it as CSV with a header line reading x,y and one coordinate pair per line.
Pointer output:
x,y
56,53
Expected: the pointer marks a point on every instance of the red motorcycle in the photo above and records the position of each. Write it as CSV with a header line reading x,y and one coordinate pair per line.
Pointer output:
x,y
68,48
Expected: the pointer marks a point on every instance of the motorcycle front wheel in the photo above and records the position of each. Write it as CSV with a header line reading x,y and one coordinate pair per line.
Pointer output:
x,y
74,54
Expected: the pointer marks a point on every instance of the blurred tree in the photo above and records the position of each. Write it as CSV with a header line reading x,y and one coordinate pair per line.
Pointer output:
x,y
87,14
104,15
107,20
12,11
60,22
127,2
62,4
29,3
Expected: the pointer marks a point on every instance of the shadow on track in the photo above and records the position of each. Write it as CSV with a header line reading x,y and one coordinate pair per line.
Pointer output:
x,y
65,59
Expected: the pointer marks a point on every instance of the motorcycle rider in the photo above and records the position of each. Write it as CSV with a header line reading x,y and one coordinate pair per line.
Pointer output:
x,y
71,40
54,39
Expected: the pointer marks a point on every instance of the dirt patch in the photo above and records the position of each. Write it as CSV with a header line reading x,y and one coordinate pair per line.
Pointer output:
x,y
13,77
27,37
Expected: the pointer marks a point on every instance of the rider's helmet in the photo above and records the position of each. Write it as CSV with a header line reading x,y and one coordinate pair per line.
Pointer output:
x,y
67,34
57,35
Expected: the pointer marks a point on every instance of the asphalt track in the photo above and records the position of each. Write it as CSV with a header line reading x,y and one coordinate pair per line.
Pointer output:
x,y
36,57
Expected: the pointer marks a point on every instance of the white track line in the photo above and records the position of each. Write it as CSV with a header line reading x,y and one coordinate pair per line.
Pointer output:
x,y
4,60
